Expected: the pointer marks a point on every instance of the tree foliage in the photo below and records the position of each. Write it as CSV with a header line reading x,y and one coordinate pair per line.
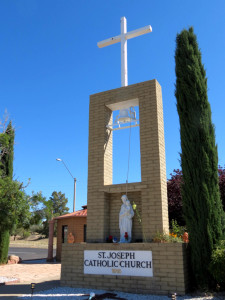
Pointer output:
x,y
14,206
13,202
37,201
200,191
43,210
59,203
175,203
54,207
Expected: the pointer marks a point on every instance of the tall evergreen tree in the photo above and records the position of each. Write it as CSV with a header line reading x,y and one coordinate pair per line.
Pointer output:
x,y
7,151
199,159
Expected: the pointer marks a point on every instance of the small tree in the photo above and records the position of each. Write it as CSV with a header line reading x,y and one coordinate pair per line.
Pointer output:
x,y
59,203
37,205
13,208
54,207
199,162
175,203
44,210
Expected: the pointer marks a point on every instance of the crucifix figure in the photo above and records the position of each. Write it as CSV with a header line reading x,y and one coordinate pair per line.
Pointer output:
x,y
123,37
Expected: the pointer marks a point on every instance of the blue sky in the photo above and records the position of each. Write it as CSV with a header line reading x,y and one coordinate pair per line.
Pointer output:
x,y
50,64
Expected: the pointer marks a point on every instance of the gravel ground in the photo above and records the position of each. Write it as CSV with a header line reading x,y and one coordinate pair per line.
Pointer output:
x,y
63,293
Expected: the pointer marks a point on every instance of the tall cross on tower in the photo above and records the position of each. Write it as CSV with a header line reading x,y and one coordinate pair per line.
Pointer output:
x,y
123,37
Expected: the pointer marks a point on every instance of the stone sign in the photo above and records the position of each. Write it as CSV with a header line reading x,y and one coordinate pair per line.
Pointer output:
x,y
125,263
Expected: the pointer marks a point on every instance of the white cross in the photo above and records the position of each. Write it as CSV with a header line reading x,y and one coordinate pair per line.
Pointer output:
x,y
123,37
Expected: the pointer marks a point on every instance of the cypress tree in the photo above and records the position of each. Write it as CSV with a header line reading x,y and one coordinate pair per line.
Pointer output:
x,y
7,154
199,158
4,242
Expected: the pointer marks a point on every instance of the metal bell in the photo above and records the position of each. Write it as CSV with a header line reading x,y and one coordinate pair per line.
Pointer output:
x,y
126,115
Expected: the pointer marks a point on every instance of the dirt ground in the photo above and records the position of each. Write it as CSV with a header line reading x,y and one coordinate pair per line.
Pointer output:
x,y
32,272
35,271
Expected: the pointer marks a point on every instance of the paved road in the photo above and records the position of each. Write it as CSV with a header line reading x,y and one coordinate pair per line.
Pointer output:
x,y
30,253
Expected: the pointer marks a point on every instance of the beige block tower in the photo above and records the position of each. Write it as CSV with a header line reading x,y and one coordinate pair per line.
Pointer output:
x,y
150,194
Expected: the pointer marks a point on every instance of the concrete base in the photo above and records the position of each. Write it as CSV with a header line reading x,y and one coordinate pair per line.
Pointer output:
x,y
170,269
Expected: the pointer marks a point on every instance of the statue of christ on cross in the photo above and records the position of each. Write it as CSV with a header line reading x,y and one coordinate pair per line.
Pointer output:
x,y
123,37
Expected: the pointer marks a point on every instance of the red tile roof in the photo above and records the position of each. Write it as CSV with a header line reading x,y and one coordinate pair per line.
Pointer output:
x,y
78,213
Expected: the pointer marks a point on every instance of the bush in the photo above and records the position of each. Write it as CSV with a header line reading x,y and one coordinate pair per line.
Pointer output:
x,y
177,229
26,234
22,233
166,238
36,228
217,264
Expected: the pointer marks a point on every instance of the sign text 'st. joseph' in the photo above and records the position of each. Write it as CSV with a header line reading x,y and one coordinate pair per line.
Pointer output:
x,y
127,263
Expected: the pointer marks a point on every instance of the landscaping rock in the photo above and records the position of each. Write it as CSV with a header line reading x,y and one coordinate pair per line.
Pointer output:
x,y
13,259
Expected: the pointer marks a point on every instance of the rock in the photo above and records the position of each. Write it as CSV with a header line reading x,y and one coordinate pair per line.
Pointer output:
x,y
13,259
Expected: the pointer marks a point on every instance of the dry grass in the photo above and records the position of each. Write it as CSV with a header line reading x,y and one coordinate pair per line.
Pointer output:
x,y
33,241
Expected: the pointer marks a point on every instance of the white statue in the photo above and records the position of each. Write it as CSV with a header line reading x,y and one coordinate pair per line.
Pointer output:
x,y
125,220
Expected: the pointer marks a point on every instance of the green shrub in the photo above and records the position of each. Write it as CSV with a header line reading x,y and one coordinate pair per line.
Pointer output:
x,y
21,232
36,228
217,264
166,238
177,229
26,234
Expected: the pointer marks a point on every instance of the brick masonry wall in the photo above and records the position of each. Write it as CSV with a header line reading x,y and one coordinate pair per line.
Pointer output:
x,y
170,269
153,200
76,226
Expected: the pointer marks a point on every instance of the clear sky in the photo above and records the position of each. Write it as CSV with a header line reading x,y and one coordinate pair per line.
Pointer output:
x,y
50,64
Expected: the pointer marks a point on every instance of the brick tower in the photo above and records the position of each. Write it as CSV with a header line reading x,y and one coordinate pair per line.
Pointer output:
x,y
150,194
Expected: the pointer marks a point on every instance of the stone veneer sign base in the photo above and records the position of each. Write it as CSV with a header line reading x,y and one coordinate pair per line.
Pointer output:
x,y
169,267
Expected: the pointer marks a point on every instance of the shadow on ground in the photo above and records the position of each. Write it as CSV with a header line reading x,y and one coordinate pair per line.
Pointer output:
x,y
39,261
16,290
